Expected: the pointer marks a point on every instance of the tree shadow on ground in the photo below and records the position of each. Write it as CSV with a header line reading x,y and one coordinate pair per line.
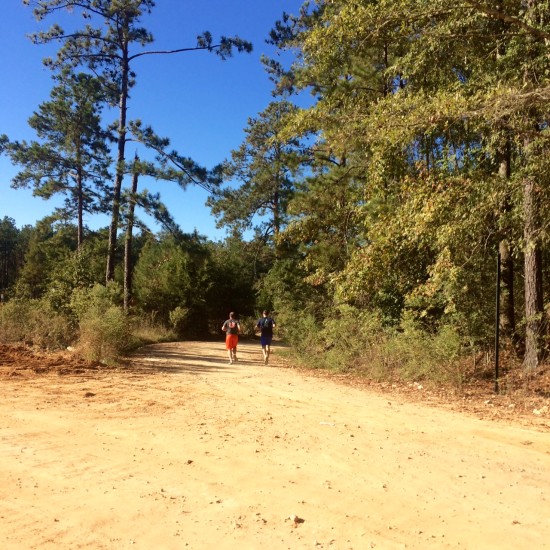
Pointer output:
x,y
189,357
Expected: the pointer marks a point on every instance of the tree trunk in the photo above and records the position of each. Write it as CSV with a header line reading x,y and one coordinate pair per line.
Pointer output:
x,y
80,208
531,229
121,145
128,268
533,283
507,319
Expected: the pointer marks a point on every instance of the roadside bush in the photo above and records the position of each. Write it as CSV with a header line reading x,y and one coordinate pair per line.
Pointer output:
x,y
97,298
104,335
103,325
36,323
300,330
347,336
146,330
91,320
353,339
377,362
107,331
179,317
14,320
421,355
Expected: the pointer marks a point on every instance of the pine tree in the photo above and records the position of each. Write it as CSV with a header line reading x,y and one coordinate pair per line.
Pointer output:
x,y
265,168
108,49
72,156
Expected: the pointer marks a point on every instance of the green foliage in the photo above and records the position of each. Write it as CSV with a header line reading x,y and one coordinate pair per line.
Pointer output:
x,y
346,336
95,300
13,243
430,109
287,288
420,355
235,268
72,157
266,167
82,269
171,274
51,243
179,317
300,330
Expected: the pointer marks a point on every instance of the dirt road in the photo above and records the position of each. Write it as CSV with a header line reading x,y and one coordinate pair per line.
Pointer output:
x,y
181,450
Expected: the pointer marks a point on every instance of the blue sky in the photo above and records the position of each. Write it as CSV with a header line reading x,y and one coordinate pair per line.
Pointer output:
x,y
197,100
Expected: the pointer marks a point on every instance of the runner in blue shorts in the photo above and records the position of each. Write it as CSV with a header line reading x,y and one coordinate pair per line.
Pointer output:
x,y
265,325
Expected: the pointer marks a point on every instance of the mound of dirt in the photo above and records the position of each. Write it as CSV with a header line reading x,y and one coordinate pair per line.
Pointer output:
x,y
21,360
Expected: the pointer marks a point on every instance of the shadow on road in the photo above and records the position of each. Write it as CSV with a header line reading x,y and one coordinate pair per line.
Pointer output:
x,y
190,357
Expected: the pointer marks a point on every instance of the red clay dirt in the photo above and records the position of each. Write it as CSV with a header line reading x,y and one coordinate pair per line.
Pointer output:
x,y
177,449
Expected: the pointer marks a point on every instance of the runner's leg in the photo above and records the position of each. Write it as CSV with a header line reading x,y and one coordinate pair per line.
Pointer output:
x,y
263,343
267,349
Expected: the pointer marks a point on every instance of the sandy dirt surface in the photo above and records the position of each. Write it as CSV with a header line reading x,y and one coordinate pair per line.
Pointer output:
x,y
177,449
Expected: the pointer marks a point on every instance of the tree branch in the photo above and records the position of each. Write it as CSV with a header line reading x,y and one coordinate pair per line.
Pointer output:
x,y
496,14
157,52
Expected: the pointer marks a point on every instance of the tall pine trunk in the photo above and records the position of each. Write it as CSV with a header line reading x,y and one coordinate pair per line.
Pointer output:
x,y
121,146
80,207
531,223
128,267
507,320
533,279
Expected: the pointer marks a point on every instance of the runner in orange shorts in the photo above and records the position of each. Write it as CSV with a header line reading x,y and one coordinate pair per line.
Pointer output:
x,y
232,329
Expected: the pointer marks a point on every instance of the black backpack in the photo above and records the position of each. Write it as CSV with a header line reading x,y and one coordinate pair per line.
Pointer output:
x,y
266,322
